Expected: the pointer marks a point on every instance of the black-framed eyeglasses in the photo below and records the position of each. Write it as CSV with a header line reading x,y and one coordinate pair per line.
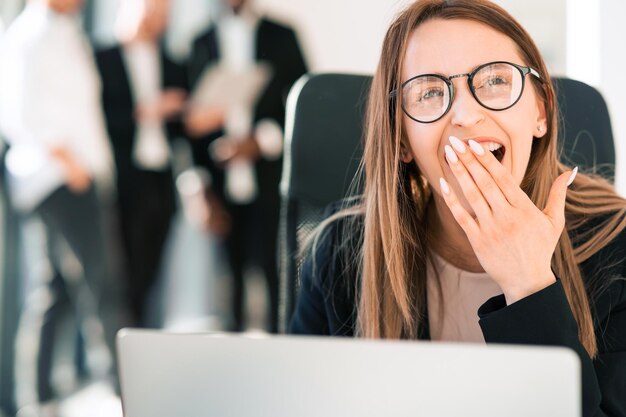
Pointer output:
x,y
497,85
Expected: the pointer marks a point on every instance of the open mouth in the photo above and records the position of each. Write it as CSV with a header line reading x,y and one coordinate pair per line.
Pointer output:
x,y
496,149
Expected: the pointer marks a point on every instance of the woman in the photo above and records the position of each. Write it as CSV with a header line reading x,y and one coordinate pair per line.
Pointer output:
x,y
469,228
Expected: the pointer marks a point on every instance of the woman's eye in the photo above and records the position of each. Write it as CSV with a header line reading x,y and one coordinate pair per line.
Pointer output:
x,y
431,93
495,81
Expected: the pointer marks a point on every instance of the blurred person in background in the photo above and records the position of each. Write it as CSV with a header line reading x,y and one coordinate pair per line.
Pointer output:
x,y
59,163
8,286
246,217
143,96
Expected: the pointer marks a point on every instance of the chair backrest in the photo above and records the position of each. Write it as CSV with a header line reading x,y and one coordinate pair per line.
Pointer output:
x,y
586,134
323,130
323,147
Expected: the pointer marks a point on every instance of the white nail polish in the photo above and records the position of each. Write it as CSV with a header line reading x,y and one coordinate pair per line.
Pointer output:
x,y
478,150
452,157
571,177
458,145
444,186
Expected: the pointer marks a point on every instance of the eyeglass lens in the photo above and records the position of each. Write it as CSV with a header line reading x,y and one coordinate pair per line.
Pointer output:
x,y
496,86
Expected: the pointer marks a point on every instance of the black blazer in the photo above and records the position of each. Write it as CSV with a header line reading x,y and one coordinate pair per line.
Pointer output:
x,y
119,108
278,46
327,306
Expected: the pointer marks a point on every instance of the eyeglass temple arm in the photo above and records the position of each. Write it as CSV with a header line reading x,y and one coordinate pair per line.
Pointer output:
x,y
534,72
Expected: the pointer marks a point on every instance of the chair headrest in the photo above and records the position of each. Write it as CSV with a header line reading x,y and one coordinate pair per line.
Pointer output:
x,y
325,113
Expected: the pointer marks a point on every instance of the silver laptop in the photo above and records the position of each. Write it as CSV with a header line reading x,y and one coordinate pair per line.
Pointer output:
x,y
226,375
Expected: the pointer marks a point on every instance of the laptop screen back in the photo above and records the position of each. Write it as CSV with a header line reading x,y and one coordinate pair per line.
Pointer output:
x,y
165,375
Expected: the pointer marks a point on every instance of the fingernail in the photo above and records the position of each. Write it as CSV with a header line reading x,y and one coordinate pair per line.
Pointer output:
x,y
451,155
478,150
458,145
571,177
445,188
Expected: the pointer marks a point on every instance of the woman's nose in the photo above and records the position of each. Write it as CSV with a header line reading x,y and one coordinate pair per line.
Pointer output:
x,y
465,110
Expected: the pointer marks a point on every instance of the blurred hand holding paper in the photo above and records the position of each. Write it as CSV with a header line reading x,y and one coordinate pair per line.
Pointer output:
x,y
236,91
224,87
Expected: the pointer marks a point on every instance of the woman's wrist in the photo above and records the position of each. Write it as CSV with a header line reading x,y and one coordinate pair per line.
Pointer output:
x,y
533,286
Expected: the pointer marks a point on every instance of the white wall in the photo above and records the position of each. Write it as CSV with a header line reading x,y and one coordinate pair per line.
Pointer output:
x,y
347,35
338,35
613,78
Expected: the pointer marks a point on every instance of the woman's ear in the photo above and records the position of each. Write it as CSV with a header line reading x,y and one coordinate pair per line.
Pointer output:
x,y
540,130
541,125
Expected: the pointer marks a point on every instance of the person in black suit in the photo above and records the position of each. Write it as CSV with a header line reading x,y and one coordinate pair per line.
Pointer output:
x,y
143,95
469,228
247,219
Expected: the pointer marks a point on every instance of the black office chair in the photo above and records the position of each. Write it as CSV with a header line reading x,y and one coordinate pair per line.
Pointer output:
x,y
586,134
323,129
323,147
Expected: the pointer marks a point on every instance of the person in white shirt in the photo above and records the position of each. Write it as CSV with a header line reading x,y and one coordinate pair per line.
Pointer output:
x,y
143,95
59,162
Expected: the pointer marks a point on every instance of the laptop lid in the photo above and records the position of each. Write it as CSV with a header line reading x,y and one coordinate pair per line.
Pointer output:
x,y
227,375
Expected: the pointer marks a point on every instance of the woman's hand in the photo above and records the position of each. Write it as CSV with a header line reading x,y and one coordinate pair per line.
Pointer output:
x,y
513,239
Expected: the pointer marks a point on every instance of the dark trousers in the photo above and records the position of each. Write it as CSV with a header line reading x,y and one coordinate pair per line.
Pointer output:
x,y
61,301
252,241
10,300
146,211
77,219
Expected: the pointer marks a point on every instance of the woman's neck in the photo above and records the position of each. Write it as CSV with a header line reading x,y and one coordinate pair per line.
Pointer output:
x,y
448,239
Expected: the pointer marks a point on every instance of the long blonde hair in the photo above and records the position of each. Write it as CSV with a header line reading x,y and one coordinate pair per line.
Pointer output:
x,y
394,254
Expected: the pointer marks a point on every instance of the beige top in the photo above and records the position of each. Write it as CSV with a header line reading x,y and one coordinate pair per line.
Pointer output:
x,y
463,293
